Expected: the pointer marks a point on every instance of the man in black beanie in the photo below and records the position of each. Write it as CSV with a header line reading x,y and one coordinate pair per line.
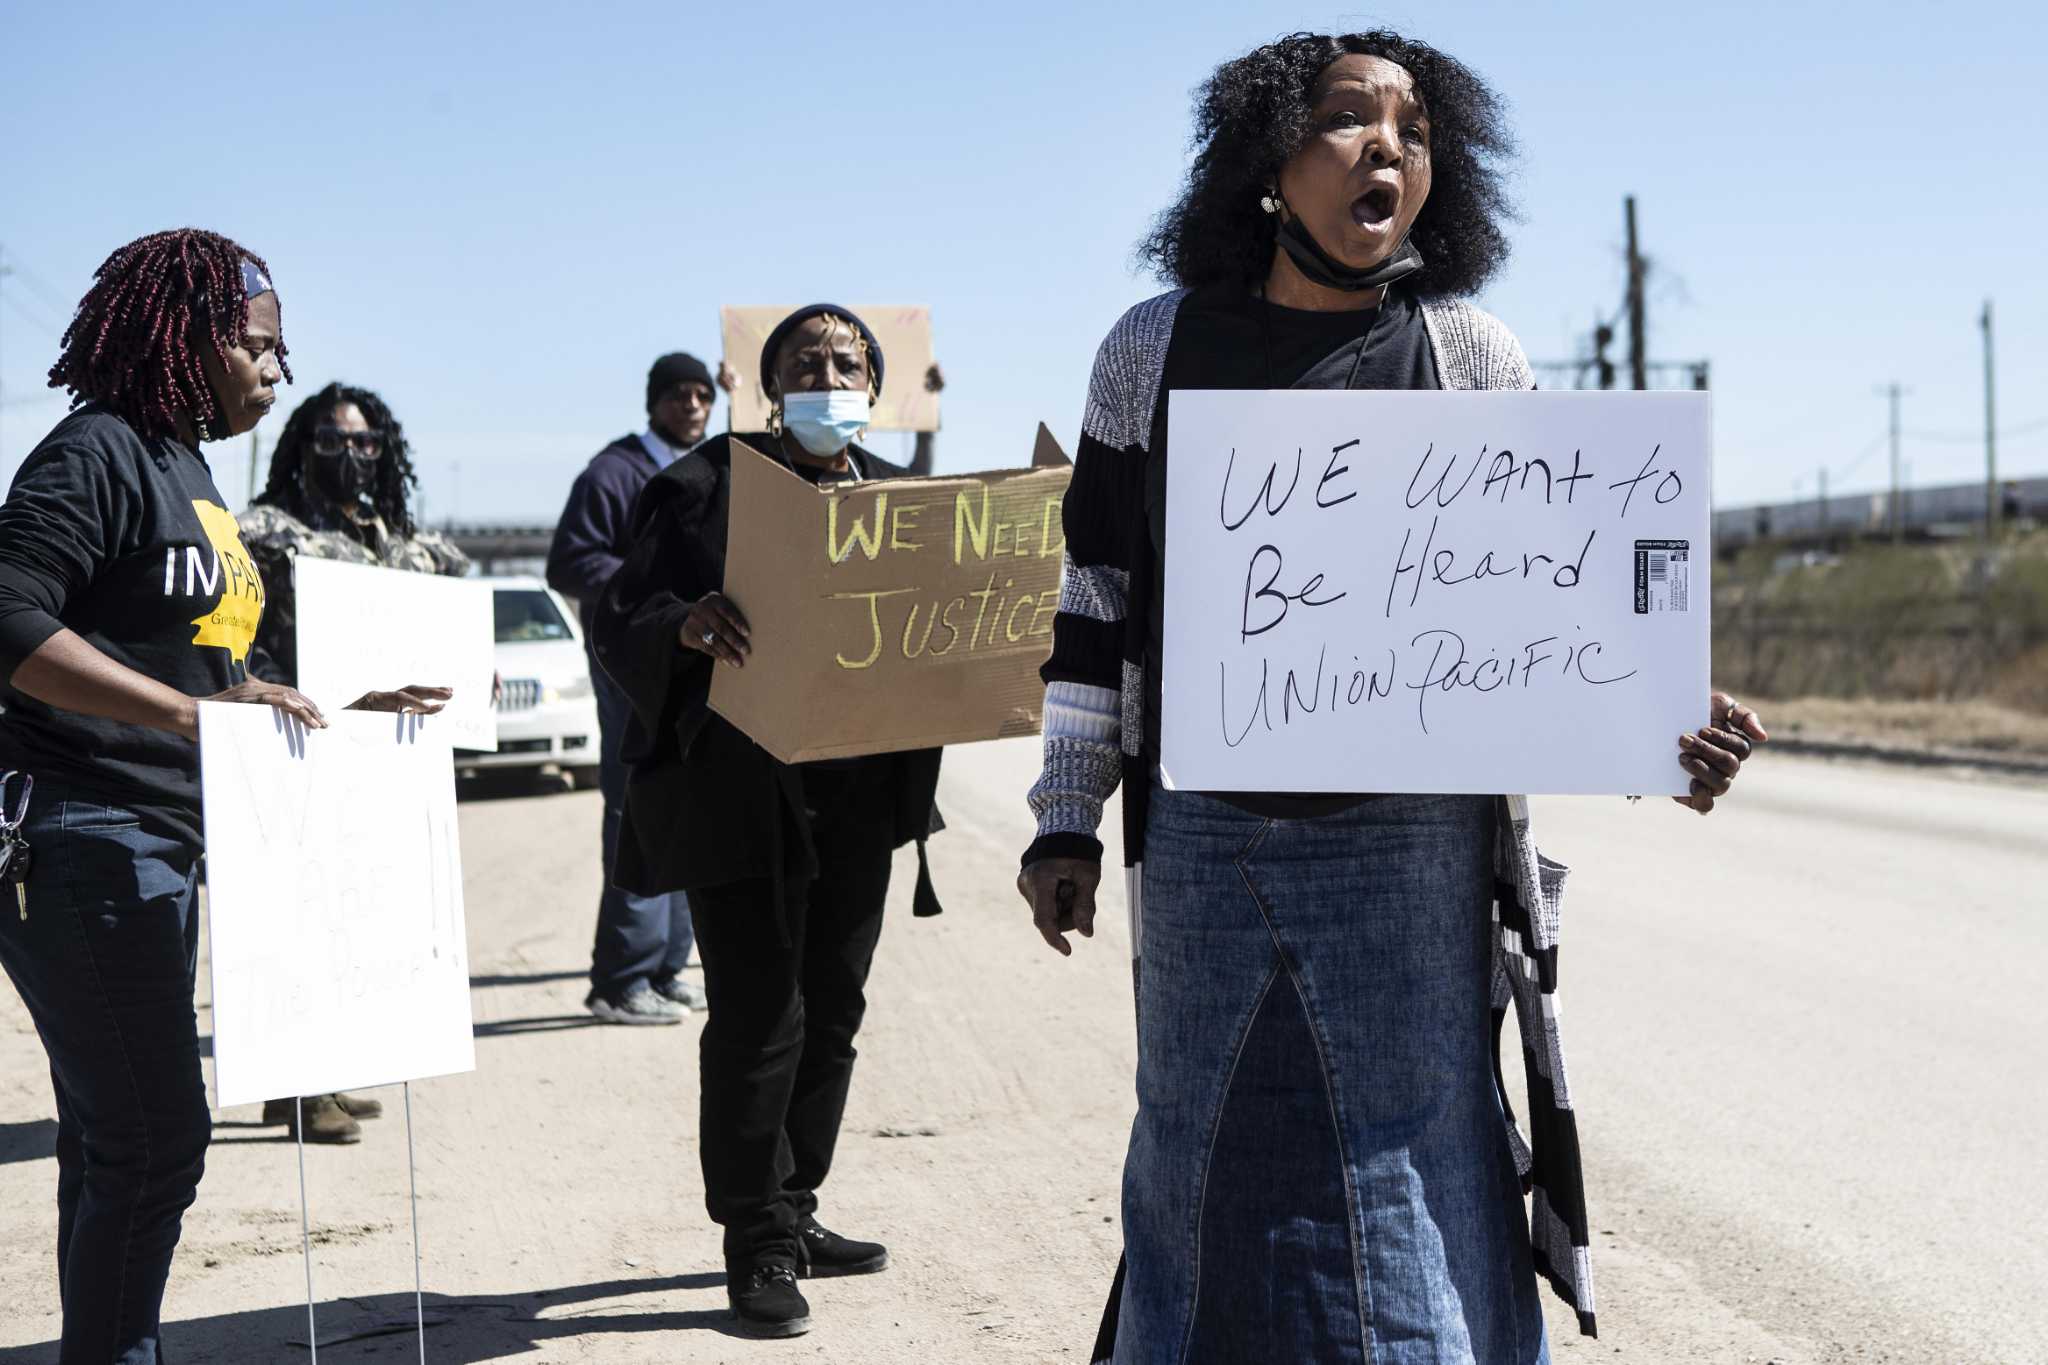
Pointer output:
x,y
642,941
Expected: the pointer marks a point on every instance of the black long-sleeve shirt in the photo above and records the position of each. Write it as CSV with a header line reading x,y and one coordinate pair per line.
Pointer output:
x,y
125,540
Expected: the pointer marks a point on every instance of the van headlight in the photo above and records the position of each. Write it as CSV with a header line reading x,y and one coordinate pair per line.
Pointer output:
x,y
575,691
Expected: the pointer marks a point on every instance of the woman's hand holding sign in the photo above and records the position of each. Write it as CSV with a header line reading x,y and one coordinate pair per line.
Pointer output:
x,y
255,692
1714,754
416,700
716,627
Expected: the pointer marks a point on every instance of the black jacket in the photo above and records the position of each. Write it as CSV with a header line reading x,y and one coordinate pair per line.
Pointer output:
x,y
596,526
705,805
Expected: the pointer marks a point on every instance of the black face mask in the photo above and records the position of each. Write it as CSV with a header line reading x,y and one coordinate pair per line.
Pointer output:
x,y
346,478
1322,268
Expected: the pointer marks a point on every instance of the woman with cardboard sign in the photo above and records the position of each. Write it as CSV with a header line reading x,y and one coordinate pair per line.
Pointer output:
x,y
787,865
126,597
1322,1167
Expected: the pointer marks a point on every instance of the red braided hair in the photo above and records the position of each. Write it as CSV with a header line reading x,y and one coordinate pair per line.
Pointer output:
x,y
134,342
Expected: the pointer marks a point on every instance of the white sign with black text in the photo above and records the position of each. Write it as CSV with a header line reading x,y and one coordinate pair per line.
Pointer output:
x,y
1435,591
334,902
364,628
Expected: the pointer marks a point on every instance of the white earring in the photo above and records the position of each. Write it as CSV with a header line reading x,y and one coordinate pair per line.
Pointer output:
x,y
1269,204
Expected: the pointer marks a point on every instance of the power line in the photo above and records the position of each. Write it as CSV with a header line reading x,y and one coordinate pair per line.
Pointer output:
x,y
1855,462
1977,437
21,308
42,290
1862,458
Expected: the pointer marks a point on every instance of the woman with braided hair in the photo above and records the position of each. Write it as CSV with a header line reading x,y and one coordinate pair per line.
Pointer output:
x,y
126,597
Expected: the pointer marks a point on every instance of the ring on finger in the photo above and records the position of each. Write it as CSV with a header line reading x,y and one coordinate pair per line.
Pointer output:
x,y
710,637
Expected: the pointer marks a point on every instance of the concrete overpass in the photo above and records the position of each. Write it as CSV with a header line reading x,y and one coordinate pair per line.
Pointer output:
x,y
502,549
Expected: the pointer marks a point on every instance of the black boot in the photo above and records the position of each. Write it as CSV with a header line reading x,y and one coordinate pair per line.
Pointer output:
x,y
326,1120
765,1299
822,1253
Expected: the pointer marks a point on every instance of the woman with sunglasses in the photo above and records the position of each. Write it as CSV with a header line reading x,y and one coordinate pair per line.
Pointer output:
x,y
340,485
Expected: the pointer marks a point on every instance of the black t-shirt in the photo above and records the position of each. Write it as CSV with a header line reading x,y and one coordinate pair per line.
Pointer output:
x,y
1226,339
124,539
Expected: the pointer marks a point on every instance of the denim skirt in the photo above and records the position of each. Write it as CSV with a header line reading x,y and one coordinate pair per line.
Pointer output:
x,y
1320,1169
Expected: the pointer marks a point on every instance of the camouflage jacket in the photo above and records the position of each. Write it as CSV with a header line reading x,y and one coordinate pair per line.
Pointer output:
x,y
276,536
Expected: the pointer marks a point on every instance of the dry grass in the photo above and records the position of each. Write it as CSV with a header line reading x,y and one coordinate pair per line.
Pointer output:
x,y
1926,646
1934,726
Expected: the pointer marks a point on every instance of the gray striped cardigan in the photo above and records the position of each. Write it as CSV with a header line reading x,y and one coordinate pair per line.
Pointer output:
x,y
1095,704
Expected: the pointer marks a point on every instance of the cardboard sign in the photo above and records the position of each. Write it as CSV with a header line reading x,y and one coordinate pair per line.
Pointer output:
x,y
363,628
899,614
334,902
1435,592
905,335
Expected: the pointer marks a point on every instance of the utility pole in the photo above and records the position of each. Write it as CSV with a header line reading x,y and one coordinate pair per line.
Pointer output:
x,y
255,452
1894,506
5,271
1823,502
1572,373
1603,337
1990,436
1637,344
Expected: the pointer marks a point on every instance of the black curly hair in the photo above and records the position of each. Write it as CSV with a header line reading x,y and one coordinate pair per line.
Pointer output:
x,y
1252,115
392,494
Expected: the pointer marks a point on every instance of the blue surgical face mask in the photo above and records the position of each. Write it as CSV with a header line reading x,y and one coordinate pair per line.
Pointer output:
x,y
825,423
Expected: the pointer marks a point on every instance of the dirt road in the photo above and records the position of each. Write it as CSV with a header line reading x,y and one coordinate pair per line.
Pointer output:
x,y
1803,1033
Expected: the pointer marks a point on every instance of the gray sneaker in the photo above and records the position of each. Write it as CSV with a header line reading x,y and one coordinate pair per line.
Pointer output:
x,y
682,992
639,1003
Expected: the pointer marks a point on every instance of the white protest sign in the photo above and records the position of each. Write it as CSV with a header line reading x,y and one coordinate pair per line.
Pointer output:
x,y
363,628
334,902
1435,591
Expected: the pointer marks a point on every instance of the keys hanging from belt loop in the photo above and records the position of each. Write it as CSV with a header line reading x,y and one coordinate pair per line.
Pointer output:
x,y
16,856
12,823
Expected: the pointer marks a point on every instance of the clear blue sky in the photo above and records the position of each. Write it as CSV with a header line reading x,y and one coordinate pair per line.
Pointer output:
x,y
497,217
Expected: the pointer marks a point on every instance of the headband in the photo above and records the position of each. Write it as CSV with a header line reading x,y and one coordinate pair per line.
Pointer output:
x,y
254,281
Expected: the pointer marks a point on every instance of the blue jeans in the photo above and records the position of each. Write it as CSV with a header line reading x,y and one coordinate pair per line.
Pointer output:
x,y
638,937
104,963
1319,1169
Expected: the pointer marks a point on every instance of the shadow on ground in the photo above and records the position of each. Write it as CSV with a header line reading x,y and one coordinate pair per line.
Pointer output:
x,y
461,1330
512,784
547,1023
30,1141
530,979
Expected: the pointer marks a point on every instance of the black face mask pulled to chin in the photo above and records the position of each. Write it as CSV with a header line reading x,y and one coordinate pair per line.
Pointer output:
x,y
1320,267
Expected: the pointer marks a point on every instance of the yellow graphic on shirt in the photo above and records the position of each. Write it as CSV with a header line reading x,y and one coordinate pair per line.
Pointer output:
x,y
231,625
